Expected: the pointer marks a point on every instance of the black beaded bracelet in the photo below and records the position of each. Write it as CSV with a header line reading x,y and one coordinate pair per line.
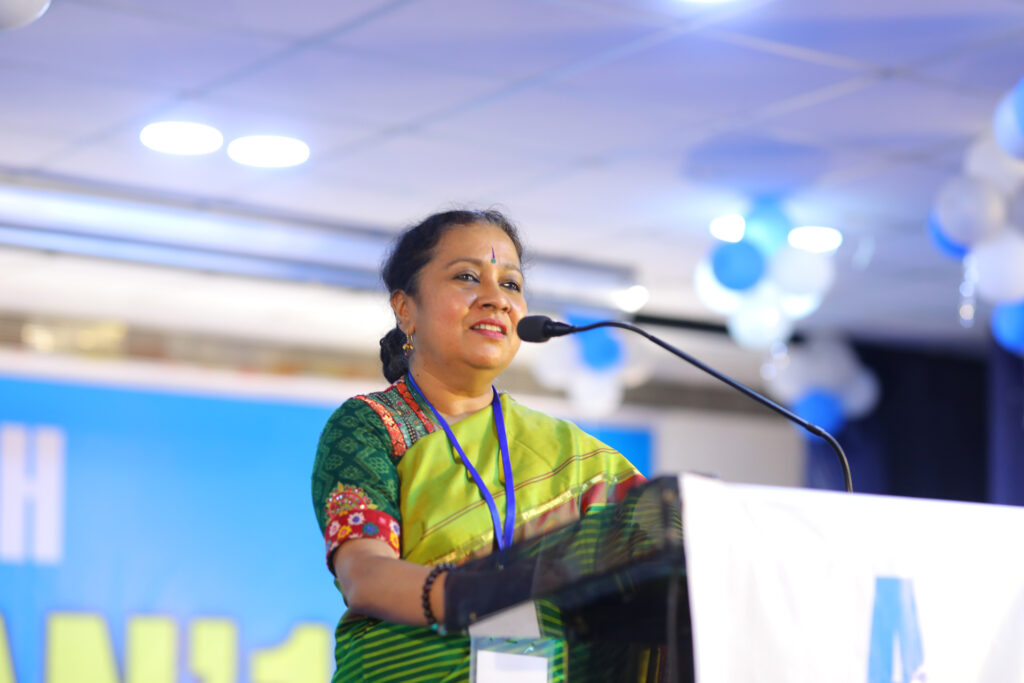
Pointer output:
x,y
431,577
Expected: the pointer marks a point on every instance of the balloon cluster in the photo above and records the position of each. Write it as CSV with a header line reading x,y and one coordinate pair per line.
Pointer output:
x,y
593,368
979,217
18,13
760,282
823,382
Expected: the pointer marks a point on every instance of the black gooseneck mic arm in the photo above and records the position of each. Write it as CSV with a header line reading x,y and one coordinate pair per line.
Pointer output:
x,y
540,328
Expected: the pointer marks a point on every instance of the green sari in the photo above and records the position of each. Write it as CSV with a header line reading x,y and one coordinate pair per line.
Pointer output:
x,y
384,469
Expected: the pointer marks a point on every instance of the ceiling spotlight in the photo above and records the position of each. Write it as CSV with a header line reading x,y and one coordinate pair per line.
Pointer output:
x,y
268,151
818,239
729,228
184,138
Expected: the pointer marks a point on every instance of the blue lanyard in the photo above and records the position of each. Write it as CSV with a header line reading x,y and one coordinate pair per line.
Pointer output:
x,y
504,539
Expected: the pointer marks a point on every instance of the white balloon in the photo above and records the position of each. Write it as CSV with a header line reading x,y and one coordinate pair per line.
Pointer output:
x,y
969,210
639,364
1007,128
832,363
1000,267
18,13
595,394
557,363
860,396
802,273
759,321
711,292
797,307
988,161
792,378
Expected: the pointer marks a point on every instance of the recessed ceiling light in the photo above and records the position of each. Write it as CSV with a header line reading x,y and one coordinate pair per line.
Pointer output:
x,y
268,151
181,137
815,238
729,228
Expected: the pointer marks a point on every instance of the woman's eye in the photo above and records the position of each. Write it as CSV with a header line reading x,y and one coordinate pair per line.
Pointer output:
x,y
514,286
466,277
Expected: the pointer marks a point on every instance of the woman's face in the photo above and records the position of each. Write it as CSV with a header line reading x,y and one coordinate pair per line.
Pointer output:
x,y
468,303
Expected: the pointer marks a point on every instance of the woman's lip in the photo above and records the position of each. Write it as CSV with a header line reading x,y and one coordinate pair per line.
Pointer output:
x,y
493,334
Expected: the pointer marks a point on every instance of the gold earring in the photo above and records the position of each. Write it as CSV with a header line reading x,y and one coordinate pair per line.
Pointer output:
x,y
407,347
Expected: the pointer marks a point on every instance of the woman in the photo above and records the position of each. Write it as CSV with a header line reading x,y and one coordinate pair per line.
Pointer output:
x,y
438,468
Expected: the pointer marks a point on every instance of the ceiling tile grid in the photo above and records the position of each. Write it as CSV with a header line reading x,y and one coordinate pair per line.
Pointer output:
x,y
880,32
326,83
611,129
493,38
268,18
108,45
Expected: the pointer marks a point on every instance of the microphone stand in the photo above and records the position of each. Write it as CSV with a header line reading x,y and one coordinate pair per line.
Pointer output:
x,y
790,415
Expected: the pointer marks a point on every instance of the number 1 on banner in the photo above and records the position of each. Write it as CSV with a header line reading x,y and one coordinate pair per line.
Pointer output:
x,y
897,655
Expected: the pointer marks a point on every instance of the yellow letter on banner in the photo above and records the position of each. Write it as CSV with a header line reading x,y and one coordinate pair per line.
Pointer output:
x,y
303,658
6,665
78,649
213,650
151,654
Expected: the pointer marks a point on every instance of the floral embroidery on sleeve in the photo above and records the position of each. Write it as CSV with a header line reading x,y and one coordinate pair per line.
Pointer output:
x,y
351,514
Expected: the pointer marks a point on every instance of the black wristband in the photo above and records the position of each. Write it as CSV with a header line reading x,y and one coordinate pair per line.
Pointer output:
x,y
427,585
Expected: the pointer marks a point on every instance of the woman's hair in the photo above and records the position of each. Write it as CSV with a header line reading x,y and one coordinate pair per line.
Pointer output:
x,y
412,250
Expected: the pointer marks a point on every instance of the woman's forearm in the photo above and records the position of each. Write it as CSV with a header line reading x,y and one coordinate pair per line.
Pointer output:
x,y
380,586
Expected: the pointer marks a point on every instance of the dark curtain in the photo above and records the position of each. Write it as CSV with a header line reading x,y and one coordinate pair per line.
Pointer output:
x,y
928,436
1006,427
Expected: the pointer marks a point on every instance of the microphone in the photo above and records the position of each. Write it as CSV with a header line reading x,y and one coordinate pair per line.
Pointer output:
x,y
540,328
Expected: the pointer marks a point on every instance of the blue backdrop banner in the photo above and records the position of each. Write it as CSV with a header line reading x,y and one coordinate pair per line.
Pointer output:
x,y
154,537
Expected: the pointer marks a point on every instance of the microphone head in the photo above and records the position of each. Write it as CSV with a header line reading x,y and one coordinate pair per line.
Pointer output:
x,y
532,328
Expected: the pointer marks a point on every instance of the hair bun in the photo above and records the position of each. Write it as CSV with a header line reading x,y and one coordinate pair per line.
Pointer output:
x,y
392,355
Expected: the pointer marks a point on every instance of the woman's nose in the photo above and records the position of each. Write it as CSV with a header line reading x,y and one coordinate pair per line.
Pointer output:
x,y
493,294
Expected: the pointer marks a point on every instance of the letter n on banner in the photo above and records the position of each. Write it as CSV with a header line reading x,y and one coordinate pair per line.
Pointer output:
x,y
897,655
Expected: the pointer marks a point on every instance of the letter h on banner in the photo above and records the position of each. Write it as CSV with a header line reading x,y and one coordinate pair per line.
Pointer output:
x,y
41,489
897,654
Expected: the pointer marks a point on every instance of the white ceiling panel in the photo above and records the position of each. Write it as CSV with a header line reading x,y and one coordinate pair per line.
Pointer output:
x,y
119,47
880,32
894,115
495,38
419,164
672,11
326,83
994,67
296,18
700,76
555,123
27,147
42,102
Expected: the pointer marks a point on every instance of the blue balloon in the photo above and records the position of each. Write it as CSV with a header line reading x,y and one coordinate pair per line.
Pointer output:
x,y
820,408
737,265
1008,326
768,226
943,243
601,349
1017,97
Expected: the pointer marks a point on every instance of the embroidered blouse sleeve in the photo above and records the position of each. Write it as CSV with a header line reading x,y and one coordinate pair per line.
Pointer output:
x,y
355,483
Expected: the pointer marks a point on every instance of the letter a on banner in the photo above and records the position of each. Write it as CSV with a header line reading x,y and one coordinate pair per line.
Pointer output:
x,y
897,655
